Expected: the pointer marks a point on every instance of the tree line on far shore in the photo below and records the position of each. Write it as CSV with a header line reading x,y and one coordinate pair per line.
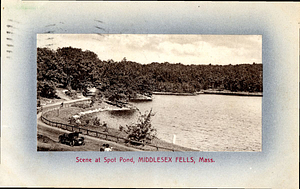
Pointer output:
x,y
75,69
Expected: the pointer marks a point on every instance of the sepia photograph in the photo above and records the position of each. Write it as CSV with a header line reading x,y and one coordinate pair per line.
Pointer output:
x,y
149,92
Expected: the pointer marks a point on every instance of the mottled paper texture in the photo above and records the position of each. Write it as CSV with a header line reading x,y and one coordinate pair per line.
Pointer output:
x,y
276,166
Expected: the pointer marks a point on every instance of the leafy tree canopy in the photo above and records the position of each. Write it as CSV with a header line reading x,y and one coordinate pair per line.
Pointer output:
x,y
76,69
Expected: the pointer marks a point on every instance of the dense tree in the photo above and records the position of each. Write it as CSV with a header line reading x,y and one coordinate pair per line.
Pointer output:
x,y
75,69
46,89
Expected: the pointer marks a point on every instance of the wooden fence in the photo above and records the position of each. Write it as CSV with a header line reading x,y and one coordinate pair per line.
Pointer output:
x,y
101,135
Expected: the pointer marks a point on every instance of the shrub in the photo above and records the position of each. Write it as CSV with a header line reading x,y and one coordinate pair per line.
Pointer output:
x,y
85,120
142,131
71,93
96,122
46,89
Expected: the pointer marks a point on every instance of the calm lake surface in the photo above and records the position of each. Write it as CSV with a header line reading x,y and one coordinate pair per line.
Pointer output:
x,y
203,122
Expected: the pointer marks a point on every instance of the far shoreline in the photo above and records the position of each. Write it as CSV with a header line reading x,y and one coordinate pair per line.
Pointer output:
x,y
177,94
240,93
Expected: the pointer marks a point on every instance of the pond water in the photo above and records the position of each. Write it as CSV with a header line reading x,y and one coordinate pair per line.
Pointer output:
x,y
203,122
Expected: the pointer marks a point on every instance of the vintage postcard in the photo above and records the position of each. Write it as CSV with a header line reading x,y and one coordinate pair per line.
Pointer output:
x,y
171,92
150,94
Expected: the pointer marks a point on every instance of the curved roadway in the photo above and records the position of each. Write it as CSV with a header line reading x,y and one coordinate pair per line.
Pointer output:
x,y
48,136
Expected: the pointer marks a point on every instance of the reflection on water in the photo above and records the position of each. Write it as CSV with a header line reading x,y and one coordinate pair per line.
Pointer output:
x,y
203,122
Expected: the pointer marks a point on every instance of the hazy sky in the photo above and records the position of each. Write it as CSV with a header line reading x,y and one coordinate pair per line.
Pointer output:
x,y
185,49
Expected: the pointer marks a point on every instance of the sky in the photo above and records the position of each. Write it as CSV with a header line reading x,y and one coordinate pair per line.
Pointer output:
x,y
147,48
